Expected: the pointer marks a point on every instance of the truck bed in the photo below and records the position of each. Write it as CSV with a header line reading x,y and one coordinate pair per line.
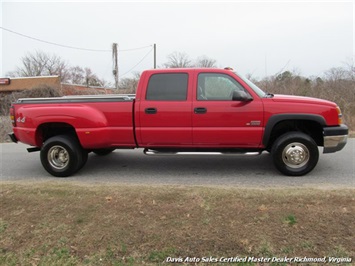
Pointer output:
x,y
100,121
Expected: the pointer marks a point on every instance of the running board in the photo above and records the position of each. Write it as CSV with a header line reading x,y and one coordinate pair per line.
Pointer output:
x,y
33,149
172,152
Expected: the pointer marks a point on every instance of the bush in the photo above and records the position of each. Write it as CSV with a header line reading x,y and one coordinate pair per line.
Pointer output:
x,y
5,128
39,92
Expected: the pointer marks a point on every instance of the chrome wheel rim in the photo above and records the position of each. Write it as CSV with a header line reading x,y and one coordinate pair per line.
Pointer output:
x,y
58,157
295,155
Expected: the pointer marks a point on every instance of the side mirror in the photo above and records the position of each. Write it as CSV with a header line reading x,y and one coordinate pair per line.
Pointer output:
x,y
241,96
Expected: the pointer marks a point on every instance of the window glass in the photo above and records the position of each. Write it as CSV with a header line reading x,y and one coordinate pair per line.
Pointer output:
x,y
255,88
167,87
216,87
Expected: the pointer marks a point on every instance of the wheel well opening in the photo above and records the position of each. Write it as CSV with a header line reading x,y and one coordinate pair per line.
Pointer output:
x,y
48,130
311,128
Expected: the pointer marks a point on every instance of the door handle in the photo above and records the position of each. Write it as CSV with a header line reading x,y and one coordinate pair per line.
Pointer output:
x,y
150,111
200,110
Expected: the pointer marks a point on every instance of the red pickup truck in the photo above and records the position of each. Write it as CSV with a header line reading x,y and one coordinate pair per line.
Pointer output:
x,y
179,111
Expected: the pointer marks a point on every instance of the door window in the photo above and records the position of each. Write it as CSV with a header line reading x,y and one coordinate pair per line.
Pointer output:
x,y
216,87
167,87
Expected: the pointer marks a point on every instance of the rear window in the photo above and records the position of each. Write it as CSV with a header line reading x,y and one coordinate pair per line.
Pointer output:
x,y
167,87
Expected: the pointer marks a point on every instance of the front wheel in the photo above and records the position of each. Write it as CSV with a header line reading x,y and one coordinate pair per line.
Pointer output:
x,y
295,154
62,156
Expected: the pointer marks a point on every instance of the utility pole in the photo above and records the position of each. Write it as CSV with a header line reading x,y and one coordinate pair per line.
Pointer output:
x,y
115,63
155,56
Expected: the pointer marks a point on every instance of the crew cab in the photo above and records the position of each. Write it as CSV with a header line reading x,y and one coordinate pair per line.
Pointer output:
x,y
179,111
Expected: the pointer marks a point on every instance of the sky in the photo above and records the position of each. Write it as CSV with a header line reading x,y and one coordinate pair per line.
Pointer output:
x,y
260,38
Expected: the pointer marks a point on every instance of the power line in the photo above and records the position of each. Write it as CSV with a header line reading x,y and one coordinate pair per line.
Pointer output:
x,y
86,49
144,57
71,47
134,49
52,43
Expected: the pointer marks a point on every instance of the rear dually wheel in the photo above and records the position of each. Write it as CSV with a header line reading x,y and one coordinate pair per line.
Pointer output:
x,y
62,155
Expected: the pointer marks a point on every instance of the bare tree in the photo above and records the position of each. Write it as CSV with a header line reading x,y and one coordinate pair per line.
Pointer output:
x,y
44,64
204,61
90,78
41,64
56,66
76,75
337,73
129,85
182,60
178,60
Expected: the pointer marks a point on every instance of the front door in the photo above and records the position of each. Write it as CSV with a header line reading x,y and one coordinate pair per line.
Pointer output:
x,y
220,122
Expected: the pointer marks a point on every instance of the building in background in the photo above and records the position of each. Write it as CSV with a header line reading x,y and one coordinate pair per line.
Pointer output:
x,y
25,83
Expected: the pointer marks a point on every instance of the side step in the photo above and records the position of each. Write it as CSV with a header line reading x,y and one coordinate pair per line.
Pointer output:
x,y
151,152
33,149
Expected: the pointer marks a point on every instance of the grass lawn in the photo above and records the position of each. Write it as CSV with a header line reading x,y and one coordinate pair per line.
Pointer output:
x,y
66,224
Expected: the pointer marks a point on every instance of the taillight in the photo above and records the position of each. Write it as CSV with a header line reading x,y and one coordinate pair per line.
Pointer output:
x,y
12,116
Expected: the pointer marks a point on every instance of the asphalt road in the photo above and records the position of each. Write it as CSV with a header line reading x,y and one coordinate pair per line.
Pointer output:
x,y
335,170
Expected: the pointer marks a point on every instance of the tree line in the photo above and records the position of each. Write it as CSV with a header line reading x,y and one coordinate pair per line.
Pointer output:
x,y
44,64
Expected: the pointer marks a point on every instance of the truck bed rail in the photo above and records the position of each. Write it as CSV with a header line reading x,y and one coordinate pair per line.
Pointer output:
x,y
81,98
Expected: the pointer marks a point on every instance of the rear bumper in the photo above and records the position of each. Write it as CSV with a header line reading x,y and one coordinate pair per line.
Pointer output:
x,y
335,138
13,137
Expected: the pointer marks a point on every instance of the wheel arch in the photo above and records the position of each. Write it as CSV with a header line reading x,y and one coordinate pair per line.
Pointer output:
x,y
280,124
51,129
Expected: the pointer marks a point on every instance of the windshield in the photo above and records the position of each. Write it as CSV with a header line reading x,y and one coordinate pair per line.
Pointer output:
x,y
255,88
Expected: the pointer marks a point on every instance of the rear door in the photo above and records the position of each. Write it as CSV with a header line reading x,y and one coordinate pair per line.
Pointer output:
x,y
218,121
165,111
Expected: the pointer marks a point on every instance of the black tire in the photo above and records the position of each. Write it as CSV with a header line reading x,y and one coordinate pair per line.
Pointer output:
x,y
295,154
103,152
85,156
62,155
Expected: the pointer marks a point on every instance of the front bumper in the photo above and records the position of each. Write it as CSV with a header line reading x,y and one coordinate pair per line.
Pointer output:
x,y
335,138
